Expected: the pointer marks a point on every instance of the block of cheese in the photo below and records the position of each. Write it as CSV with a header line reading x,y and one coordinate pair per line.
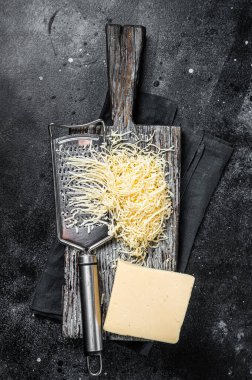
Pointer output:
x,y
148,303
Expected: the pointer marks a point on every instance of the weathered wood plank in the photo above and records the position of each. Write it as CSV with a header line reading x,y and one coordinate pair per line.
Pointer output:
x,y
163,257
124,50
71,324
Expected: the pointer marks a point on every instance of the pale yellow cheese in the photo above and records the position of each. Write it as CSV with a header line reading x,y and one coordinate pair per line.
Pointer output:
x,y
124,186
148,303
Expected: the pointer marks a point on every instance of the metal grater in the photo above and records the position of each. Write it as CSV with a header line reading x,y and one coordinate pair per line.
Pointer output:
x,y
77,143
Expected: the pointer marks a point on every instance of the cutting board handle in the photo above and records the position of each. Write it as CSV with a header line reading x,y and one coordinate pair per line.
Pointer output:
x,y
124,49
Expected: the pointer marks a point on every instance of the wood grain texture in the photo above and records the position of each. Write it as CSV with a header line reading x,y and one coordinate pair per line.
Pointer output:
x,y
124,50
71,324
165,255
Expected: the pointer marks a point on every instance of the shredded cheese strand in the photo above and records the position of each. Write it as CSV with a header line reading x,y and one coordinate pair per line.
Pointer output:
x,y
123,186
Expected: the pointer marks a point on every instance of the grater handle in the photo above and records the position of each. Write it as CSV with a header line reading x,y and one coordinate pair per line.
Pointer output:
x,y
91,310
124,50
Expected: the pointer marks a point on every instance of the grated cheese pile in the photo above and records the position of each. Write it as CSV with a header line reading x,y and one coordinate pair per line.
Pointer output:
x,y
123,186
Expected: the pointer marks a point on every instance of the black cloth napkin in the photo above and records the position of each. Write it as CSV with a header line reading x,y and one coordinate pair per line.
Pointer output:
x,y
203,159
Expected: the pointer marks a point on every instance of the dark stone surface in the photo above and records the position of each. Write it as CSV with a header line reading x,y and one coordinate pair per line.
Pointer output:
x,y
40,85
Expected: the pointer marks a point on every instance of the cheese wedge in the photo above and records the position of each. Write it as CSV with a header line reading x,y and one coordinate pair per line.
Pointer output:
x,y
148,303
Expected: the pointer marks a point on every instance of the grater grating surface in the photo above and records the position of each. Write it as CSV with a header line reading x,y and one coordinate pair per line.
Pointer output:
x,y
70,226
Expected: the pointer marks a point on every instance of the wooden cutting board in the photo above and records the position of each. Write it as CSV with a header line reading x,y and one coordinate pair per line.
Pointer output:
x,y
124,51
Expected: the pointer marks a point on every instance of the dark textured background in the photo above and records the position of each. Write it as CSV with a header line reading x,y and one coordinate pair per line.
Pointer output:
x,y
40,85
